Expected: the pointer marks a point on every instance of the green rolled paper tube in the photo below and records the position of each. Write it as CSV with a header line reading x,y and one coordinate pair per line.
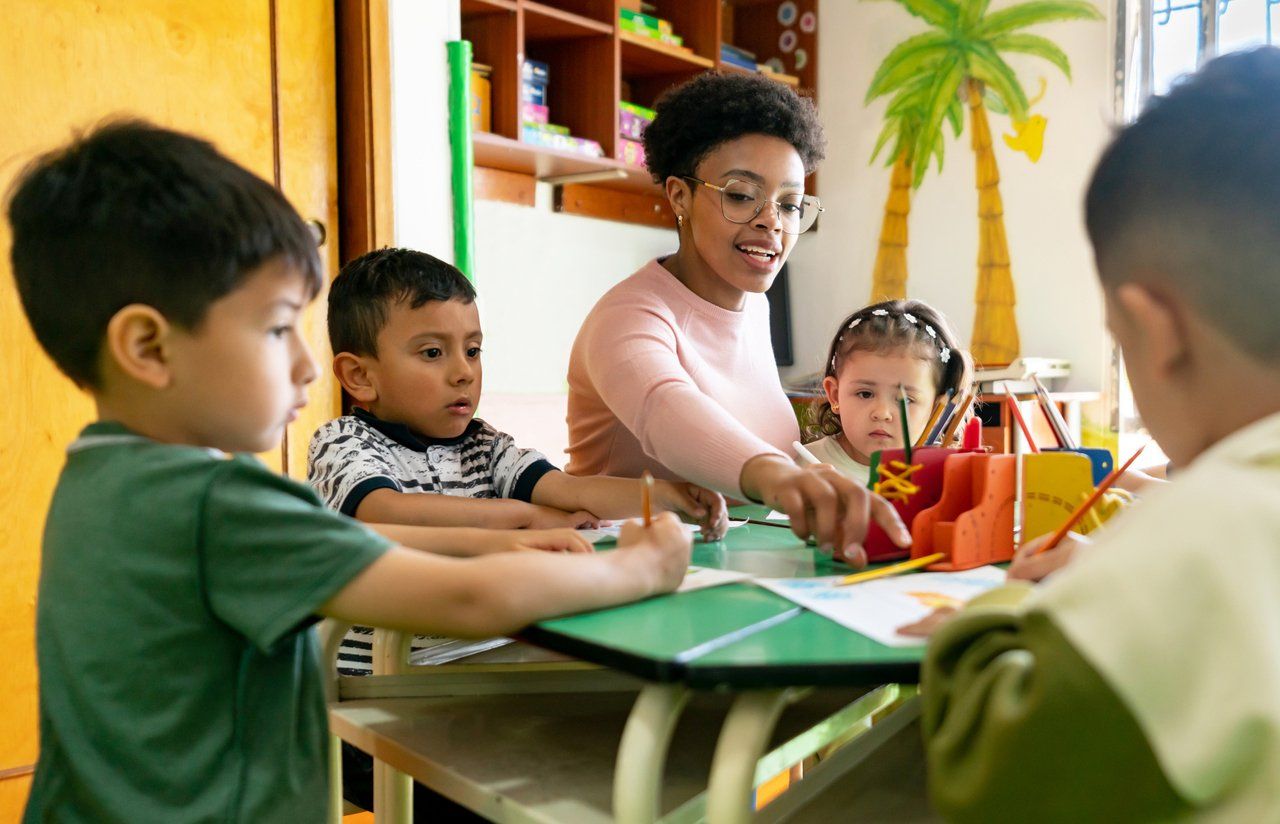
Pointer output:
x,y
463,155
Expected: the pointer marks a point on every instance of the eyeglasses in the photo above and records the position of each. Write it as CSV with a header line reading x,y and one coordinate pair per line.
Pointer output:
x,y
741,201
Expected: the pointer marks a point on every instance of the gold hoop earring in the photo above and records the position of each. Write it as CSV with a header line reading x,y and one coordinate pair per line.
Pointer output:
x,y
679,222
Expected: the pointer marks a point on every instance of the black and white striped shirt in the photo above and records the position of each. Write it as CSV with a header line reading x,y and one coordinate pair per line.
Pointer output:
x,y
351,456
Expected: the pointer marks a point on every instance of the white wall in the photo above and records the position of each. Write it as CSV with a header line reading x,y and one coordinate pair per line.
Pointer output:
x,y
1059,306
421,188
539,273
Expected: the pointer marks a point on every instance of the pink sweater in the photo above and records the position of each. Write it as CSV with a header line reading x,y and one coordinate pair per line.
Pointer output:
x,y
660,379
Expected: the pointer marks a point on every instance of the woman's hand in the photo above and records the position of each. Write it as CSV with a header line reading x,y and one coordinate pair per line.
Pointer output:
x,y
701,506
1030,564
823,505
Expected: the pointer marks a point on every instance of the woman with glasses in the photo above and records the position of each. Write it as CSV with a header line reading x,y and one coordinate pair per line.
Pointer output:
x,y
673,370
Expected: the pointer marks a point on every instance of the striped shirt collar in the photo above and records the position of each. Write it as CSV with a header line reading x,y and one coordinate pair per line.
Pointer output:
x,y
406,437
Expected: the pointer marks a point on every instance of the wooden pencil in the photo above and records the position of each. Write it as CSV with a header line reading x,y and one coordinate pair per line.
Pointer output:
x,y
938,406
906,427
958,418
646,498
1022,423
894,569
1080,511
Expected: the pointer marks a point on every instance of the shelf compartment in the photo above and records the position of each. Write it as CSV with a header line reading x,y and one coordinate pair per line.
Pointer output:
x,y
497,152
493,33
479,8
643,57
601,11
543,22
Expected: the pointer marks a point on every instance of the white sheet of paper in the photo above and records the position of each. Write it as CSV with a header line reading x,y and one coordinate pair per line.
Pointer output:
x,y
878,608
702,577
775,515
610,532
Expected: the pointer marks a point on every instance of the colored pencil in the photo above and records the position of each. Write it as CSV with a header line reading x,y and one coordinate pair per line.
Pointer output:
x,y
939,406
884,572
1060,429
958,418
806,457
646,498
1089,502
1022,423
906,427
943,420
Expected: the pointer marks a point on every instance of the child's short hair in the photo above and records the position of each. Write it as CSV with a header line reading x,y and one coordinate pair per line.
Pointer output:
x,y
368,285
133,213
1190,192
893,326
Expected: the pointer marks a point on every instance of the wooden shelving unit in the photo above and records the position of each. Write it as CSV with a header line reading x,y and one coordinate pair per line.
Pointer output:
x,y
593,64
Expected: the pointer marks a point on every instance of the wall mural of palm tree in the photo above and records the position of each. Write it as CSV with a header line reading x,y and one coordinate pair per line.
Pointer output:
x,y
930,77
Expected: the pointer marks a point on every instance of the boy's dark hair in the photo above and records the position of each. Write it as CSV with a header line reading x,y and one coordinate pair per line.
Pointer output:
x,y
889,327
368,285
1190,192
713,108
133,213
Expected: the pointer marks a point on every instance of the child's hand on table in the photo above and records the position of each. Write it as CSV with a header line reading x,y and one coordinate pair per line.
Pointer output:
x,y
700,506
929,624
1029,564
546,517
545,540
660,550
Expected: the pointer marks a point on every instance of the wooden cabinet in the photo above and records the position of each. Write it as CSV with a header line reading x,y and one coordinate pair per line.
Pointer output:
x,y
593,64
254,76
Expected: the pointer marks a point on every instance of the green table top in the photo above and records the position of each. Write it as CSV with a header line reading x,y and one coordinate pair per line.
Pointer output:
x,y
733,635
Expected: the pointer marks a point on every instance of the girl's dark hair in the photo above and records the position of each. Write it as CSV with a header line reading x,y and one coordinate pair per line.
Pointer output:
x,y
895,326
714,108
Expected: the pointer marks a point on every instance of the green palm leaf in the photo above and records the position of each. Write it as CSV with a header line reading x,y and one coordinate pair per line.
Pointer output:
x,y
938,146
946,82
971,12
990,68
892,128
1034,45
939,13
907,62
955,114
1030,14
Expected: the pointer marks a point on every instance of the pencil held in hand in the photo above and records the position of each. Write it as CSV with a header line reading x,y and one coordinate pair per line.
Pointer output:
x,y
1089,502
646,498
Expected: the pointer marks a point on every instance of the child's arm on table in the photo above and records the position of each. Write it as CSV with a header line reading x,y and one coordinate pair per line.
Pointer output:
x,y
613,498
469,542
387,506
500,594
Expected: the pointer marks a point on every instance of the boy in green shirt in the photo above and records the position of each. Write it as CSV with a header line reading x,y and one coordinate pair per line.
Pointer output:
x,y
179,678
1141,682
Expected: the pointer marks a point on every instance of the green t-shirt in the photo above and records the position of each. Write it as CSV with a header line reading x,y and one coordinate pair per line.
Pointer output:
x,y
179,676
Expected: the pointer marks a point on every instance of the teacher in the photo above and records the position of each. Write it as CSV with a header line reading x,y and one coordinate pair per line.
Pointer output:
x,y
673,369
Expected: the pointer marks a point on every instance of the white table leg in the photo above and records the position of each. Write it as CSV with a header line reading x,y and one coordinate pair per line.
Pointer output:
x,y
392,795
642,754
742,741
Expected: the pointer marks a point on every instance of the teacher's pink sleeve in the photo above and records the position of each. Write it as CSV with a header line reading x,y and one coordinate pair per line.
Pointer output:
x,y
635,368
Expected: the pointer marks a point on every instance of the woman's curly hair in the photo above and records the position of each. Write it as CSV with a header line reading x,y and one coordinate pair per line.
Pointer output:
x,y
715,107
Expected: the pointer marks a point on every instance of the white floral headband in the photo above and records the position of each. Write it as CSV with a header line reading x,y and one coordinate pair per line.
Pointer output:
x,y
944,352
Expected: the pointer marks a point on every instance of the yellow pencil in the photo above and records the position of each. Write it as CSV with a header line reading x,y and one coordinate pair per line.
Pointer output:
x,y
933,419
884,572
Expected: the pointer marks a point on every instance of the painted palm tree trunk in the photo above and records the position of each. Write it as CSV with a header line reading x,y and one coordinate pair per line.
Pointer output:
x,y
995,326
889,278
